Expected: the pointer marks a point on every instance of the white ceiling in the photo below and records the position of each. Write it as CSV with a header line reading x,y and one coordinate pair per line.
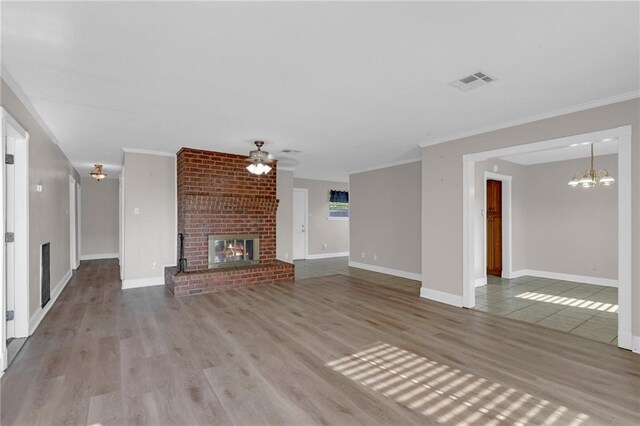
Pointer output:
x,y
351,85
571,152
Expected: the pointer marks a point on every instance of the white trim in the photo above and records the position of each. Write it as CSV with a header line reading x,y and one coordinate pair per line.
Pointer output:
x,y
37,317
386,166
175,212
623,134
287,169
441,296
625,247
79,224
149,152
99,256
327,255
15,87
388,271
516,122
142,282
636,344
21,244
22,234
306,223
337,218
480,282
73,224
607,282
121,222
516,274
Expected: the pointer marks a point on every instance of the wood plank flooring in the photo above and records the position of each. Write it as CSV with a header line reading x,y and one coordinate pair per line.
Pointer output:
x,y
331,350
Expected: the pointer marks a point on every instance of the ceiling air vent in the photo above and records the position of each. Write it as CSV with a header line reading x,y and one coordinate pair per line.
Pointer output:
x,y
290,151
472,81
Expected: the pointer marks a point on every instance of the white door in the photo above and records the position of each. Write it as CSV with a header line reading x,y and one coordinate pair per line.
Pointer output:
x,y
9,215
299,223
72,224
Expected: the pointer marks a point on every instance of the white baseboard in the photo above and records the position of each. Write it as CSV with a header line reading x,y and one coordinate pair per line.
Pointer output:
x,y
99,256
35,319
636,344
441,296
327,255
607,282
388,271
479,282
142,282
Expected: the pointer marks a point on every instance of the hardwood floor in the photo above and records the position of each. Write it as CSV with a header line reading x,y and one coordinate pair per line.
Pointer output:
x,y
329,350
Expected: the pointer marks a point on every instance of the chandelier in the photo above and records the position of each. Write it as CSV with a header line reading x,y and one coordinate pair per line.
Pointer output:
x,y
591,179
97,173
259,160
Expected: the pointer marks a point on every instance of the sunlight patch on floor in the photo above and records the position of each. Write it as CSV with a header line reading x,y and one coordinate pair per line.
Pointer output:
x,y
447,394
569,301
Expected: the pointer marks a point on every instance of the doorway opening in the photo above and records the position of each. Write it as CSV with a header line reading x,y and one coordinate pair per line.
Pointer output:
x,y
528,282
14,297
493,227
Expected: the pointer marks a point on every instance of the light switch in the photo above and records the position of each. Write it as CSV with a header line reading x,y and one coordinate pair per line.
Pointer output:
x,y
136,210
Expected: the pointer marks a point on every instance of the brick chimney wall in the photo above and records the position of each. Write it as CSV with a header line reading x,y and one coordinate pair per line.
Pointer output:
x,y
217,195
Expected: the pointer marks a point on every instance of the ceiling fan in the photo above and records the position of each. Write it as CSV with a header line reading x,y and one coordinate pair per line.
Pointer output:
x,y
259,160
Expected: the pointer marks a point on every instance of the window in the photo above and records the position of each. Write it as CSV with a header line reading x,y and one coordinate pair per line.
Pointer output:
x,y
338,204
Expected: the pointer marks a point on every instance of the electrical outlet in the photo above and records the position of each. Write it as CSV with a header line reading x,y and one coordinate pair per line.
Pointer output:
x,y
375,257
324,246
362,255
594,266
286,255
153,265
136,210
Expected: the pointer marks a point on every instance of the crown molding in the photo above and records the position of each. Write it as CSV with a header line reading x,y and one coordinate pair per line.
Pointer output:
x,y
385,166
148,152
15,87
530,119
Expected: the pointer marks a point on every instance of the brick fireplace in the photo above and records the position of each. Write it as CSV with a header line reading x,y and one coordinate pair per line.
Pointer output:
x,y
218,196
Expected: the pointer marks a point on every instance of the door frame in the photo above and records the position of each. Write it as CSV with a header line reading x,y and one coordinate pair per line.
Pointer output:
x,y
507,263
78,223
21,241
305,191
73,226
623,135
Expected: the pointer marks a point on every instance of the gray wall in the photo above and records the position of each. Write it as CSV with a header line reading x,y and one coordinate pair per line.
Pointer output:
x,y
568,230
99,217
284,215
385,217
322,230
48,210
442,264
150,235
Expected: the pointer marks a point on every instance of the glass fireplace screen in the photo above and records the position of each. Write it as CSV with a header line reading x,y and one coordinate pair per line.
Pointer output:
x,y
233,250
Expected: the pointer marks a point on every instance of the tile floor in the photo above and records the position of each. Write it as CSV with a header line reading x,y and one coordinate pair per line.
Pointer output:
x,y
585,310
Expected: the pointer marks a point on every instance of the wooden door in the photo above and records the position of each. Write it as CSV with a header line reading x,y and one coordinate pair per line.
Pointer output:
x,y
494,227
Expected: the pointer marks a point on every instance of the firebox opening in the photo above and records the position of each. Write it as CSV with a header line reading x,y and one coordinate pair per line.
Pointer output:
x,y
227,251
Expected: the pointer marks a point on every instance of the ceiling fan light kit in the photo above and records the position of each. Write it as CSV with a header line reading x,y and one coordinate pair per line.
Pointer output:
x,y
259,160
